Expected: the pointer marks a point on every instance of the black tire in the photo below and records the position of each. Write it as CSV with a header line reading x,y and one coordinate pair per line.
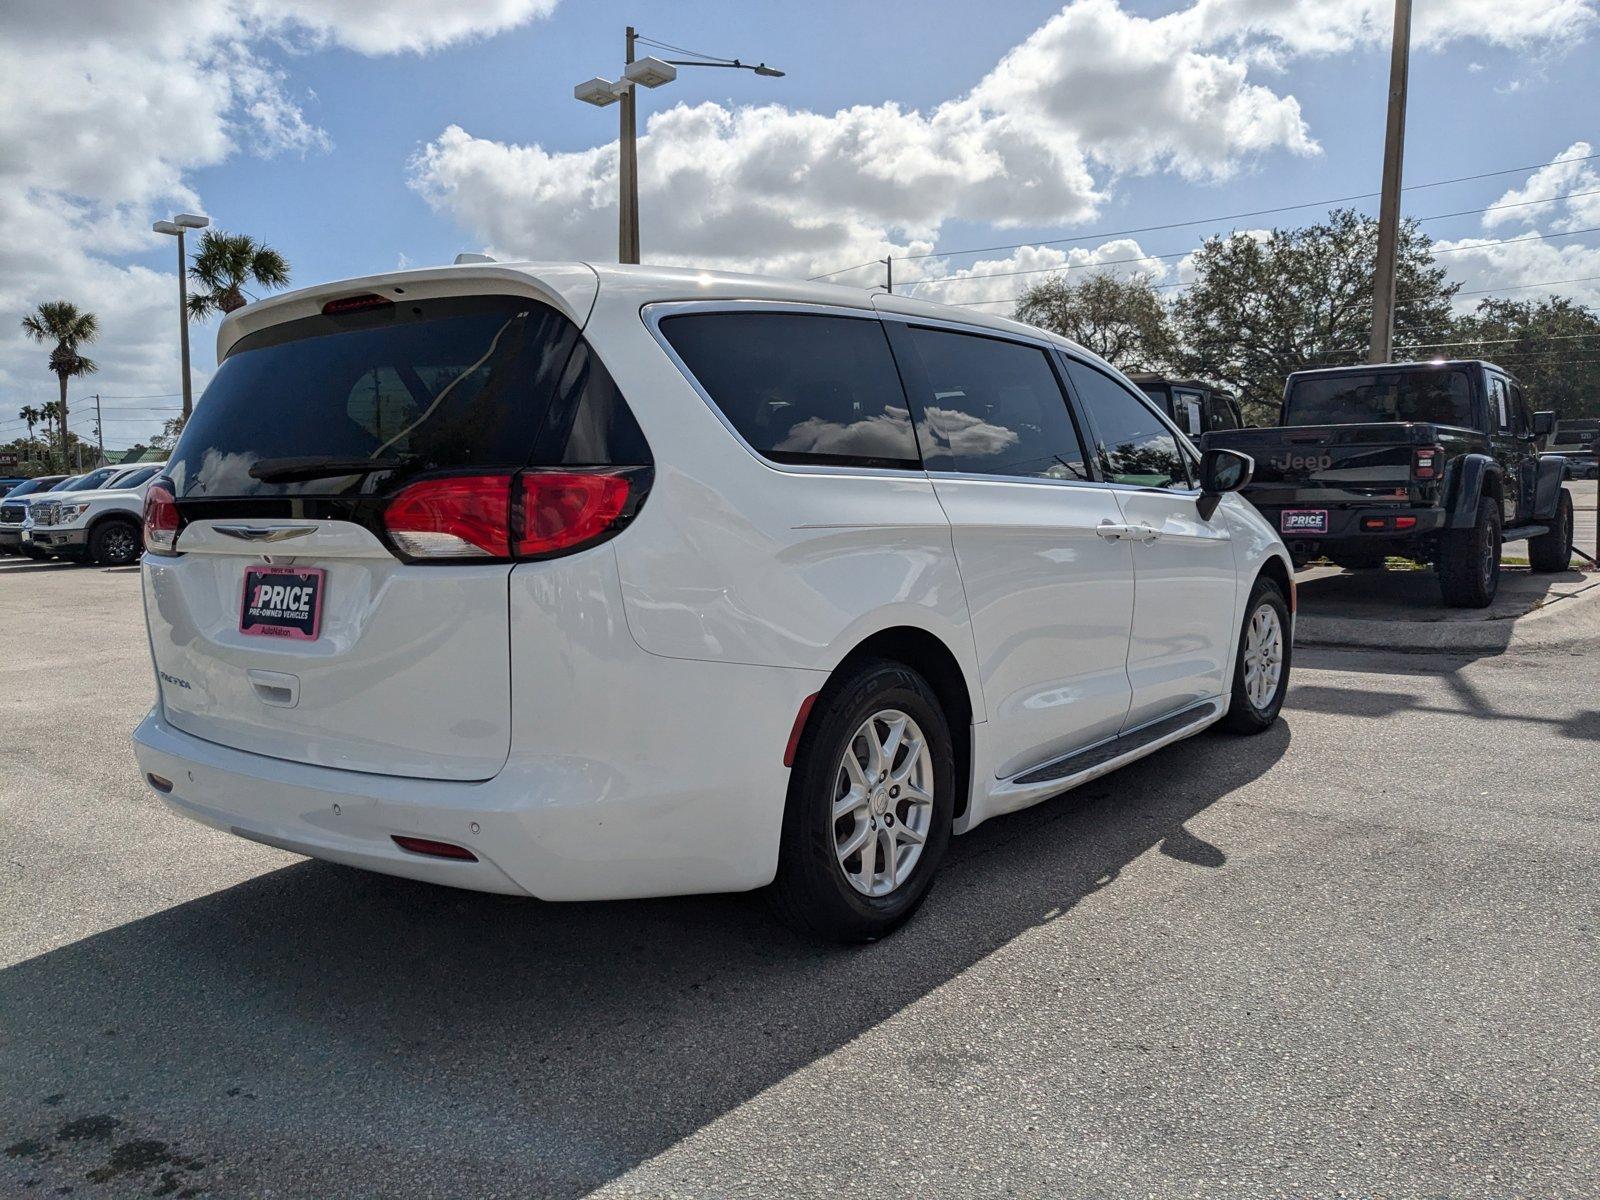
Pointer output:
x,y
1469,560
812,893
1553,551
1245,715
116,543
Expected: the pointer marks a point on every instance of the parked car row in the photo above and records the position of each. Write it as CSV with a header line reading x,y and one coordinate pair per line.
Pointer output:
x,y
95,517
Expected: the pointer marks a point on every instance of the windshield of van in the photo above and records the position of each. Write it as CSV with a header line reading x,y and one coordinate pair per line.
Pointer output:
x,y
1443,397
455,383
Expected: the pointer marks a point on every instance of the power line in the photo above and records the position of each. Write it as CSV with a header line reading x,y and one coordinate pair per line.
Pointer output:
x,y
1112,262
1259,212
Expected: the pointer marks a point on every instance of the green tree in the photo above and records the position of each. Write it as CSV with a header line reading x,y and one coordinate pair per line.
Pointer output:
x,y
168,437
223,265
31,416
1551,344
1122,320
1265,304
62,322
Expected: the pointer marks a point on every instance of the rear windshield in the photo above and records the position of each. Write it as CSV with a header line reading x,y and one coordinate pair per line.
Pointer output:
x,y
466,383
1443,397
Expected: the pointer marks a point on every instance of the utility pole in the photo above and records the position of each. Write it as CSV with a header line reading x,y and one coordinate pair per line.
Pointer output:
x,y
1394,152
100,426
888,275
628,168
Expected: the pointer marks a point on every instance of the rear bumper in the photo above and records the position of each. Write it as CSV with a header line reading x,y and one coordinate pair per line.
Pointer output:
x,y
665,815
1345,531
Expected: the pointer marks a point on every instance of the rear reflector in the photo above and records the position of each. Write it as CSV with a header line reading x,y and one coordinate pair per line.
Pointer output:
x,y
1405,522
161,520
350,304
799,728
434,849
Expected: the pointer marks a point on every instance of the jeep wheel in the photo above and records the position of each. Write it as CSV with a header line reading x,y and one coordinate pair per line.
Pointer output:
x,y
115,543
1469,560
1552,551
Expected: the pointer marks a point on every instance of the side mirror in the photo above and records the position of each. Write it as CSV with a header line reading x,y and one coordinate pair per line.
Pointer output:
x,y
1221,471
1544,423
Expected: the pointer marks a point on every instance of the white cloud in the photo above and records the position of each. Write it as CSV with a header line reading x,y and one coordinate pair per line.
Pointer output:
x,y
106,106
993,283
1567,175
1093,95
1094,90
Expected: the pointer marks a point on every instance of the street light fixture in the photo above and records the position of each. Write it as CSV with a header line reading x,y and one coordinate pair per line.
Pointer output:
x,y
175,228
646,72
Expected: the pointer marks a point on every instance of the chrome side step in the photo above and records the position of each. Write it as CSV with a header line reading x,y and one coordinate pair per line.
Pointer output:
x,y
1081,766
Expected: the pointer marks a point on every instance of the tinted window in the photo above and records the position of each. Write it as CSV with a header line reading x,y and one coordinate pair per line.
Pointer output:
x,y
135,478
800,388
95,478
1132,444
70,484
33,485
1443,397
991,407
473,382
1219,414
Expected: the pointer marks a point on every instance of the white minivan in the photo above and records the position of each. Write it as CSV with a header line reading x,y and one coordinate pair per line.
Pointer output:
x,y
589,582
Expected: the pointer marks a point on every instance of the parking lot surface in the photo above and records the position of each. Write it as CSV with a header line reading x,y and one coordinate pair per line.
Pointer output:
x,y
1353,956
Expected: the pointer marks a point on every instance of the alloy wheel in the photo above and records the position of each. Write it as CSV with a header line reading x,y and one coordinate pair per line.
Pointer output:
x,y
1263,656
882,802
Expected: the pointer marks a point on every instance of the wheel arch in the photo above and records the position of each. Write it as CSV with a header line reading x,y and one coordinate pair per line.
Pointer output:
x,y
931,657
1476,476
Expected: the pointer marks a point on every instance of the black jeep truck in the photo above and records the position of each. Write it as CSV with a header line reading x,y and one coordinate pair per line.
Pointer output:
x,y
1435,461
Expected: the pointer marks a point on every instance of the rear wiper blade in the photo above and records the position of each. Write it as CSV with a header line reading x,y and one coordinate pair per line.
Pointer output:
x,y
295,470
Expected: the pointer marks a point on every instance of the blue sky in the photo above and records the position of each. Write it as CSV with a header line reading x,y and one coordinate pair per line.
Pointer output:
x,y
323,130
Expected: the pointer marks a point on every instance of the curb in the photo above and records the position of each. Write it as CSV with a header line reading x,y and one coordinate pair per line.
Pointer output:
x,y
1489,634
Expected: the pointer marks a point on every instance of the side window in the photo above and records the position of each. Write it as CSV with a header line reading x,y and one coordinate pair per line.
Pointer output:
x,y
1497,403
1186,411
1133,445
991,407
801,388
1220,413
1519,404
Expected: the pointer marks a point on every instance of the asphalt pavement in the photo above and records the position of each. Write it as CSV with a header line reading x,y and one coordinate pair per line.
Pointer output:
x,y
1354,956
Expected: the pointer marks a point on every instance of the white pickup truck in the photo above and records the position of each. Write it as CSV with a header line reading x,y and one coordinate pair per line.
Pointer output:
x,y
105,525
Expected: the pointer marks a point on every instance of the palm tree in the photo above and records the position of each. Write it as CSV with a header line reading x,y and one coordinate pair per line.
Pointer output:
x,y
226,262
61,322
32,416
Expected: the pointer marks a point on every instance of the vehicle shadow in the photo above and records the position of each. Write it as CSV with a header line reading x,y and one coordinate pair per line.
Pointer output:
x,y
316,1016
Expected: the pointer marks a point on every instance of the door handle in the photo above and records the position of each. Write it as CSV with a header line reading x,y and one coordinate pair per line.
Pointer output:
x,y
1114,532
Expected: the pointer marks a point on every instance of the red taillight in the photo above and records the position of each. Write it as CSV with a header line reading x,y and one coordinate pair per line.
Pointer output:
x,y
161,520
461,516
433,849
1427,462
1405,522
531,515
562,510
361,303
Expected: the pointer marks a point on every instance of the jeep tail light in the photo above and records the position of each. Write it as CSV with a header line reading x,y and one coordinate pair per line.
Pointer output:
x,y
561,510
1427,462
161,520
531,514
460,516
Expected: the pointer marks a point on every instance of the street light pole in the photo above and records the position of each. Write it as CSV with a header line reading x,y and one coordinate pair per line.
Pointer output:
x,y
1394,151
651,73
628,170
176,228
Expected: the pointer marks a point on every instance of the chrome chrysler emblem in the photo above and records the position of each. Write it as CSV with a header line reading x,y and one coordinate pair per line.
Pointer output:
x,y
268,533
